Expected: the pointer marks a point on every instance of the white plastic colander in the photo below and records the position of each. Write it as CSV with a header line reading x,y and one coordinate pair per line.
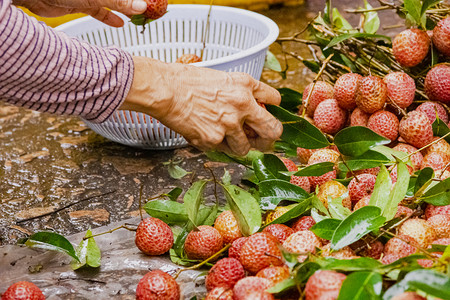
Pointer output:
x,y
237,41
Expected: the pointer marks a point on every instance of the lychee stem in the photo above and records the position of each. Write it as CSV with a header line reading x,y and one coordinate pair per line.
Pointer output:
x,y
212,257
401,110
140,201
444,169
125,226
346,165
426,146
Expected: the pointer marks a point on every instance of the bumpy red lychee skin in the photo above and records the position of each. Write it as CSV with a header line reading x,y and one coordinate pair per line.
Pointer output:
x,y
220,293
408,296
248,285
434,160
188,59
333,189
432,210
410,47
322,91
431,108
402,245
437,83
236,246
416,129
416,158
373,171
322,155
304,223
155,9
260,251
280,231
301,181
324,284
23,290
403,212
440,224
274,274
157,285
225,273
343,253
359,189
301,242
385,124
359,118
418,229
393,170
401,88
329,117
441,147
389,259
227,226
153,237
373,249
304,154
203,243
345,90
364,201
290,165
441,36
371,94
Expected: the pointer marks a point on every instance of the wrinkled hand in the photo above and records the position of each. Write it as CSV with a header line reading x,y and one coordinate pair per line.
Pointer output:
x,y
95,8
208,107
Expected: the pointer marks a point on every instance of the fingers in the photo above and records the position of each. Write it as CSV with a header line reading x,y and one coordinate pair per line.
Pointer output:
x,y
237,142
128,7
105,16
266,94
265,125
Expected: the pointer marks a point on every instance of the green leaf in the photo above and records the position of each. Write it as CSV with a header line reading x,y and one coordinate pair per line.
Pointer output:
x,y
356,140
226,178
382,189
170,212
88,253
434,55
327,11
140,20
369,159
429,281
298,131
193,198
51,241
439,194
288,149
336,209
290,99
440,129
423,179
176,172
427,4
316,169
357,225
207,215
306,270
245,209
404,264
398,192
413,7
361,286
174,193
342,37
294,211
371,19
273,191
351,265
339,21
391,154
245,160
282,286
269,167
272,62
325,228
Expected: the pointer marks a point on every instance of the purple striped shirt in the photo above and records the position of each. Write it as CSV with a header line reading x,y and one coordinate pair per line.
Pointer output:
x,y
45,70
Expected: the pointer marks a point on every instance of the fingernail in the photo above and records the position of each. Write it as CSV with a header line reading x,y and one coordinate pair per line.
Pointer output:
x,y
139,6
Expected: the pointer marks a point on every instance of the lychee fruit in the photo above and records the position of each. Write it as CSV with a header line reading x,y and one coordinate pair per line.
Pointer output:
x,y
441,147
323,155
401,88
416,158
23,290
419,230
389,258
364,201
274,274
225,273
402,246
408,296
276,213
279,231
304,223
403,212
432,210
301,181
441,36
260,251
361,187
373,171
304,154
188,59
410,47
437,83
416,129
394,174
343,253
371,94
332,190
329,117
441,225
324,284
220,293
431,108
155,9
249,285
227,226
385,124
302,242
321,92
203,243
153,236
434,160
373,249
236,246
345,90
359,118
157,285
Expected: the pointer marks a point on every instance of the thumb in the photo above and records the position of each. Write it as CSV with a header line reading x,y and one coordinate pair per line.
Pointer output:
x,y
127,7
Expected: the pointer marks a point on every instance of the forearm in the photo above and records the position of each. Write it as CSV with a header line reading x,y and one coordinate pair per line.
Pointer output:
x,y
47,71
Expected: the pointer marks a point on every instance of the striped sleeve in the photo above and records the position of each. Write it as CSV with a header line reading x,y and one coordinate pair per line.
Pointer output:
x,y
45,70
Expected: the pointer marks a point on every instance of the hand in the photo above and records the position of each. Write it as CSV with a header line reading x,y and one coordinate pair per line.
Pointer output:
x,y
95,8
206,106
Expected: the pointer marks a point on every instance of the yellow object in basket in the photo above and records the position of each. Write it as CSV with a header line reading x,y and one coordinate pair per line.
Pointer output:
x,y
53,22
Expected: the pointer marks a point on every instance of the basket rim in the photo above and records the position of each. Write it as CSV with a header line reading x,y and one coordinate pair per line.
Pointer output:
x,y
265,43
